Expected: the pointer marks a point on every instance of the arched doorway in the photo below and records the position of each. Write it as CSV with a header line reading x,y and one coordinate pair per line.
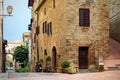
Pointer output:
x,y
83,57
54,59
45,55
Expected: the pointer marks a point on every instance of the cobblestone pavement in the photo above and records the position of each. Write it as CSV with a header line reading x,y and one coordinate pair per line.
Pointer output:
x,y
106,75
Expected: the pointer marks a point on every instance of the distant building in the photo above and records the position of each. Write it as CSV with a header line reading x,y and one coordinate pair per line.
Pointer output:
x,y
27,41
70,30
115,19
4,43
1,33
10,48
26,38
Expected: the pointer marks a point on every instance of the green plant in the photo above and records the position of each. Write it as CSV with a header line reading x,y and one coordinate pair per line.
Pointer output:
x,y
25,69
65,64
72,69
48,58
41,60
21,54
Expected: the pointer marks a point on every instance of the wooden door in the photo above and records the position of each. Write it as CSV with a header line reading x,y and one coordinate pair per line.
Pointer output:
x,y
54,57
83,57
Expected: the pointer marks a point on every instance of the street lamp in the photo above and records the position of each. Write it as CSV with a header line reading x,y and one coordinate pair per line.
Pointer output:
x,y
9,10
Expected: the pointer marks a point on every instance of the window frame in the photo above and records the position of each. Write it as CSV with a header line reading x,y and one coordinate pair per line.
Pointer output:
x,y
84,17
54,4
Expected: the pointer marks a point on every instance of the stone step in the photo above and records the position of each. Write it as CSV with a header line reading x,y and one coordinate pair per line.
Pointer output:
x,y
3,75
3,78
117,64
113,68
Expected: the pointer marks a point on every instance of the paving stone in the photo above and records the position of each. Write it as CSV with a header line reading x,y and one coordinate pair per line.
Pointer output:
x,y
106,75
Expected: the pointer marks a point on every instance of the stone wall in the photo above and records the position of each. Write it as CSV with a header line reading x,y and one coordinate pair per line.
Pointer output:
x,y
67,36
34,38
57,38
96,36
115,19
1,36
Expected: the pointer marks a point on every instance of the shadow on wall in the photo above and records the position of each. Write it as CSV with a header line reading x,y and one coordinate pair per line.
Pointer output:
x,y
115,28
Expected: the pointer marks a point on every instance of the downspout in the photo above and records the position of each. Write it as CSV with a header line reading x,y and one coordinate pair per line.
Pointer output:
x,y
36,12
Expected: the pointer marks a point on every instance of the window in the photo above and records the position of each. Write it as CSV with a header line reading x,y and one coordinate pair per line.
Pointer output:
x,y
37,30
45,52
44,11
84,17
53,3
50,28
45,27
34,38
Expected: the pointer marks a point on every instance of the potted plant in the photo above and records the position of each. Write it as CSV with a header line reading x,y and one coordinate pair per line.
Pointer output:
x,y
48,66
48,58
64,66
72,70
41,60
59,70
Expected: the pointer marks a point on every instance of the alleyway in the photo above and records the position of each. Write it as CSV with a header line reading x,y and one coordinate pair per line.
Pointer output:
x,y
112,65
113,61
107,75
114,50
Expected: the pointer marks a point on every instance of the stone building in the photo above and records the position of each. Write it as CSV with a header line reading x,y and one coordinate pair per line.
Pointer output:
x,y
115,19
27,41
10,48
70,30
4,43
26,38
1,34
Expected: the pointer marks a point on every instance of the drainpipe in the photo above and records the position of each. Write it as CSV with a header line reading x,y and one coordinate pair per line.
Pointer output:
x,y
36,12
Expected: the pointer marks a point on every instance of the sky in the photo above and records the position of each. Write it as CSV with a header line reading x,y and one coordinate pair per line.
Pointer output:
x,y
14,26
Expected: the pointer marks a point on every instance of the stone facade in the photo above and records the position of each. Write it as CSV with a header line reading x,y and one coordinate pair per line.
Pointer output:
x,y
10,48
1,35
115,19
26,38
66,38
4,43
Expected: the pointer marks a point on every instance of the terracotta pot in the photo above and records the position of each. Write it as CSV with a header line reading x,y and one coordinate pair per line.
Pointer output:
x,y
59,70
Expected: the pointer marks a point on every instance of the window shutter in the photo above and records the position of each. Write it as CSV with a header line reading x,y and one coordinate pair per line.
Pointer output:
x,y
53,3
84,17
51,28
48,28
37,30
45,26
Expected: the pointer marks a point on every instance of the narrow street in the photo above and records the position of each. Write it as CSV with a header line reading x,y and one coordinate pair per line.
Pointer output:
x,y
59,40
114,49
112,73
113,61
107,75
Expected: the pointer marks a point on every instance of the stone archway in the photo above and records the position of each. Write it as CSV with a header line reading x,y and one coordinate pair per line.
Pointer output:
x,y
45,55
54,57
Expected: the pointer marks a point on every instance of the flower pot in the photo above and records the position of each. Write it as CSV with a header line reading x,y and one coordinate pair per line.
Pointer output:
x,y
59,70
